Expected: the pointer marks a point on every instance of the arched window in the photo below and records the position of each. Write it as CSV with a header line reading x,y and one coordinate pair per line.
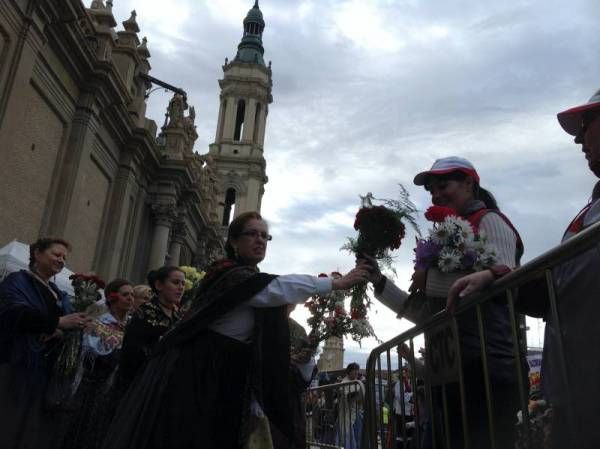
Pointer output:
x,y
239,120
229,208
256,122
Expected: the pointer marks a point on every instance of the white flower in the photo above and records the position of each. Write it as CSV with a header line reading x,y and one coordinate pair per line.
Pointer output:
x,y
362,328
441,233
486,260
449,260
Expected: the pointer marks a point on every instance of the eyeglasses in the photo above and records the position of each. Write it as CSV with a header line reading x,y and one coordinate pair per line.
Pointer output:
x,y
253,233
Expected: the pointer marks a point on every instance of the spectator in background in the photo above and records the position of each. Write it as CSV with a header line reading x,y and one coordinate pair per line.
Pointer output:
x,y
141,294
350,411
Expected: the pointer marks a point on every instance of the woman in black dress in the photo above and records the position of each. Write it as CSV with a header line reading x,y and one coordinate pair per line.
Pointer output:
x,y
222,372
34,313
150,322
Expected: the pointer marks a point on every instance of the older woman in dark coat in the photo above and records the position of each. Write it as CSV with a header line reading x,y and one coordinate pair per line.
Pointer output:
x,y
33,315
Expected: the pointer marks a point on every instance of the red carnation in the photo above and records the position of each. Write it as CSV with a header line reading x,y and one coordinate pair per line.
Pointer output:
x,y
357,314
438,214
114,296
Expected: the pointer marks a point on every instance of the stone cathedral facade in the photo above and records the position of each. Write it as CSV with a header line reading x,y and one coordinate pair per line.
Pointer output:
x,y
80,159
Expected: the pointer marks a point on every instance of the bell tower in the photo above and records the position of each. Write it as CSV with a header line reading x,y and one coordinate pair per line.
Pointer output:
x,y
244,104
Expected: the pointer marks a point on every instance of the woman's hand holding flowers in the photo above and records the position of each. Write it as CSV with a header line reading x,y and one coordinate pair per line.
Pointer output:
x,y
356,276
73,321
375,275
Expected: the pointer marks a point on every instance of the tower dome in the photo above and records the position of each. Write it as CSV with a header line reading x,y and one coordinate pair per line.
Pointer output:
x,y
250,48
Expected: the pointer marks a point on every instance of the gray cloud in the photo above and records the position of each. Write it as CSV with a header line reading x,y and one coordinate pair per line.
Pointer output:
x,y
363,102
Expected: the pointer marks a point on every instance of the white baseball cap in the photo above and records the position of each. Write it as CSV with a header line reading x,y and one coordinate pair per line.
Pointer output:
x,y
447,165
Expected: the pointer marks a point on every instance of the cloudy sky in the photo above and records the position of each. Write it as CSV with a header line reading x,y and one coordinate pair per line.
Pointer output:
x,y
369,92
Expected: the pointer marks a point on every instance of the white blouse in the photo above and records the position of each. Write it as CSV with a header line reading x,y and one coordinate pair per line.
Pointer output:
x,y
238,323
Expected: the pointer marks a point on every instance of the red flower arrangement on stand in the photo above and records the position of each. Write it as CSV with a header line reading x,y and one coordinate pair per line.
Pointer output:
x,y
329,317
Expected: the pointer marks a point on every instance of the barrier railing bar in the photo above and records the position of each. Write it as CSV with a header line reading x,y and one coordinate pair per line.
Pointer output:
x,y
378,406
446,420
402,404
561,350
523,395
415,393
486,377
432,410
370,436
461,384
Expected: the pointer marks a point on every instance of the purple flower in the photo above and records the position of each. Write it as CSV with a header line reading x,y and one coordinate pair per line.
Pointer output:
x,y
469,259
426,253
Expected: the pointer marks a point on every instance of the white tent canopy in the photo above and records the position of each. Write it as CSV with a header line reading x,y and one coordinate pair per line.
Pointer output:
x,y
15,257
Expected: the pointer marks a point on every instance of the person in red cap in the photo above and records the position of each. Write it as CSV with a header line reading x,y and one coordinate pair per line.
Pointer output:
x,y
576,399
454,183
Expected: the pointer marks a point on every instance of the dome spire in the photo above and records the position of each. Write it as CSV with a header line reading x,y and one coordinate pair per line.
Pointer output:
x,y
250,48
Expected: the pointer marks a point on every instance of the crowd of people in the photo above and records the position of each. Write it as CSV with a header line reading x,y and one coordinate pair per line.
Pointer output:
x,y
147,375
230,371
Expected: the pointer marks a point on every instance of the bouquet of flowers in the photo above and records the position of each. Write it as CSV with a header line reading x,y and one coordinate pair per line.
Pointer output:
x,y
329,317
86,287
193,278
380,230
67,362
453,244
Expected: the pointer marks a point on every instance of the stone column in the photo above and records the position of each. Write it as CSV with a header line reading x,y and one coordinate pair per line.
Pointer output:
x,y
262,124
230,115
250,115
177,239
163,214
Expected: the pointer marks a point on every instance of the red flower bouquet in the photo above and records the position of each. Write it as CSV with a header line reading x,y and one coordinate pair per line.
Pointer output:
x,y
380,230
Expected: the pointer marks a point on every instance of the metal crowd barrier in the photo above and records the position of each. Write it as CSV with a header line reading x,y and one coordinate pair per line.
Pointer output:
x,y
438,385
334,415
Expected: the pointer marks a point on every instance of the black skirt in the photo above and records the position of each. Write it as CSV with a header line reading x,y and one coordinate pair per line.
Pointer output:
x,y
194,395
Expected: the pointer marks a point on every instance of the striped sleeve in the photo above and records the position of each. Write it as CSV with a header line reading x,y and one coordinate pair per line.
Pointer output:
x,y
501,237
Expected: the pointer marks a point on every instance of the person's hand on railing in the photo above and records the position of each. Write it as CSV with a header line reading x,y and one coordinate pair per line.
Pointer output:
x,y
468,285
